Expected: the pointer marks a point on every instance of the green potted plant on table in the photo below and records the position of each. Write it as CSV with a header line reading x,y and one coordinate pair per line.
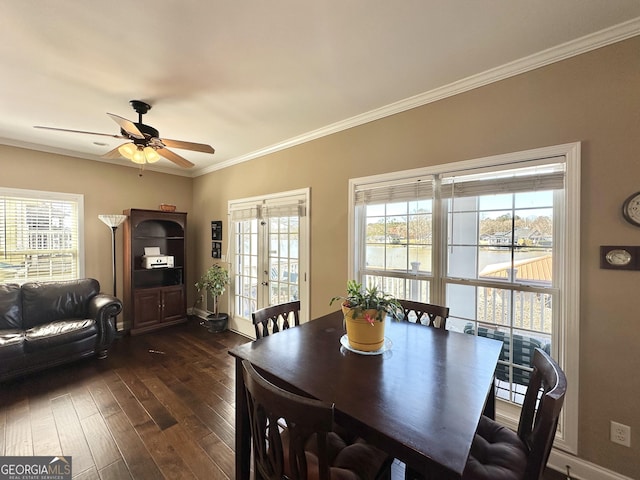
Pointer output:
x,y
215,281
365,310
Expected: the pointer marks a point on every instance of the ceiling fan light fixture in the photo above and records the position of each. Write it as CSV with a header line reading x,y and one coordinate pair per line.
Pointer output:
x,y
138,156
127,150
143,141
151,155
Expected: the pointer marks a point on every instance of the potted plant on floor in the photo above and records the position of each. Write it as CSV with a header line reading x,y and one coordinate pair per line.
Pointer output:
x,y
215,281
365,310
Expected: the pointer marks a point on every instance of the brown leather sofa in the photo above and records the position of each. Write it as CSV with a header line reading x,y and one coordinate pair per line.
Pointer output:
x,y
43,324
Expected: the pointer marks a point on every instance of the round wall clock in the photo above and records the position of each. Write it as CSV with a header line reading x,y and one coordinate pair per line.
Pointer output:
x,y
631,209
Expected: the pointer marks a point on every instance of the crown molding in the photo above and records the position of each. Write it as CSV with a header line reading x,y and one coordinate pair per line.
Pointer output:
x,y
561,52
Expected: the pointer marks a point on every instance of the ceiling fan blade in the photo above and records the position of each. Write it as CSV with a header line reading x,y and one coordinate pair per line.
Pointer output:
x,y
78,131
175,158
115,153
196,147
127,125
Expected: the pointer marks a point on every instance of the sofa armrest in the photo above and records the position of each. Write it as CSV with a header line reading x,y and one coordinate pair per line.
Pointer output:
x,y
104,308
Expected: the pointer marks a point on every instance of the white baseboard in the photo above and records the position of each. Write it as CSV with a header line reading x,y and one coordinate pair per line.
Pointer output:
x,y
581,469
242,334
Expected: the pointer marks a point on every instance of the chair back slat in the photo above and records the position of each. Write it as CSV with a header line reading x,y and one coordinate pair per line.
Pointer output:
x,y
427,314
275,318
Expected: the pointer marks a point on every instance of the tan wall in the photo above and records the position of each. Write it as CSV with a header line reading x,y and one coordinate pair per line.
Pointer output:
x,y
106,188
593,98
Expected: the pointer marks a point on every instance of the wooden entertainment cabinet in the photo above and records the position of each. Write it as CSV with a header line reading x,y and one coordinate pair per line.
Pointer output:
x,y
154,297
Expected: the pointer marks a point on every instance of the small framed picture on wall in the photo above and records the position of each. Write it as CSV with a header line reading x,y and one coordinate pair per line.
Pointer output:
x,y
216,230
216,249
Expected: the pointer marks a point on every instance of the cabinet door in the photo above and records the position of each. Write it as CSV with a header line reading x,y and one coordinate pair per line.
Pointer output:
x,y
173,307
148,307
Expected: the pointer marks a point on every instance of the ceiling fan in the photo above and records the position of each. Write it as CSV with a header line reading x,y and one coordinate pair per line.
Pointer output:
x,y
145,144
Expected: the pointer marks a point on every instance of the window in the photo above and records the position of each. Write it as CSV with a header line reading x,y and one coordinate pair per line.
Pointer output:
x,y
39,236
397,232
269,251
497,241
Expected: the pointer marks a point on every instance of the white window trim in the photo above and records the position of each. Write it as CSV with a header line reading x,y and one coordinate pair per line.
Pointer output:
x,y
567,439
46,195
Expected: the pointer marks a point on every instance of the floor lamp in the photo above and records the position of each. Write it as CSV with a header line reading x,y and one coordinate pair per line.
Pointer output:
x,y
113,222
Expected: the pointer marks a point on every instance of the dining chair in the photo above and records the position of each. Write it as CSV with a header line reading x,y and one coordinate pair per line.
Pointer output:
x,y
425,313
275,318
309,447
498,453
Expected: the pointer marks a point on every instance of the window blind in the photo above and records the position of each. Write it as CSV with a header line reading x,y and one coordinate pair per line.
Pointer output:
x,y
39,236
246,211
284,208
512,180
294,206
414,189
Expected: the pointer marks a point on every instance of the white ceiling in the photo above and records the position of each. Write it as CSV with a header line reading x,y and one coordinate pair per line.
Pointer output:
x,y
250,76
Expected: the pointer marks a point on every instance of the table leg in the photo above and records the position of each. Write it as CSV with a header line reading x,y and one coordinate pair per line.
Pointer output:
x,y
490,406
243,433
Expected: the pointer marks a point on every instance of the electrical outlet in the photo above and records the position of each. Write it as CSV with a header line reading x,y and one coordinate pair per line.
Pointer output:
x,y
621,434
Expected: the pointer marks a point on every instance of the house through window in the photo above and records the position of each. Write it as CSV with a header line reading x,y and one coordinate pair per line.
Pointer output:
x,y
39,236
496,241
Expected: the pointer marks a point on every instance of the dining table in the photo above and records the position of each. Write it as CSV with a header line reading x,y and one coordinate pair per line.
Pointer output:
x,y
419,398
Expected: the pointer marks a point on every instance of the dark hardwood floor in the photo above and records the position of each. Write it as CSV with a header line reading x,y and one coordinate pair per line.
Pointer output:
x,y
160,406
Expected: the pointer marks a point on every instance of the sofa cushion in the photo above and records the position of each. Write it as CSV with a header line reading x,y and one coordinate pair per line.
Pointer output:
x,y
11,343
46,302
10,306
59,333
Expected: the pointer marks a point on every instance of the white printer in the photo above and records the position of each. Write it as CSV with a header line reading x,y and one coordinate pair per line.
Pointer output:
x,y
152,258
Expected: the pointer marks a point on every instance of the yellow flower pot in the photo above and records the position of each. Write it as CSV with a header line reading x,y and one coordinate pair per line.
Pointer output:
x,y
362,334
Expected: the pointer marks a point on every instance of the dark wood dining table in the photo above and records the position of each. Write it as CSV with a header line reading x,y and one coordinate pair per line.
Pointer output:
x,y
420,400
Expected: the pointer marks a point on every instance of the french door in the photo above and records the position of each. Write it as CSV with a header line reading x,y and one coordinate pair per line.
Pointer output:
x,y
269,252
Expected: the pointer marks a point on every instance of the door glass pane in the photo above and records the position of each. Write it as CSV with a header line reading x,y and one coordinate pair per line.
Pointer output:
x,y
246,268
283,248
